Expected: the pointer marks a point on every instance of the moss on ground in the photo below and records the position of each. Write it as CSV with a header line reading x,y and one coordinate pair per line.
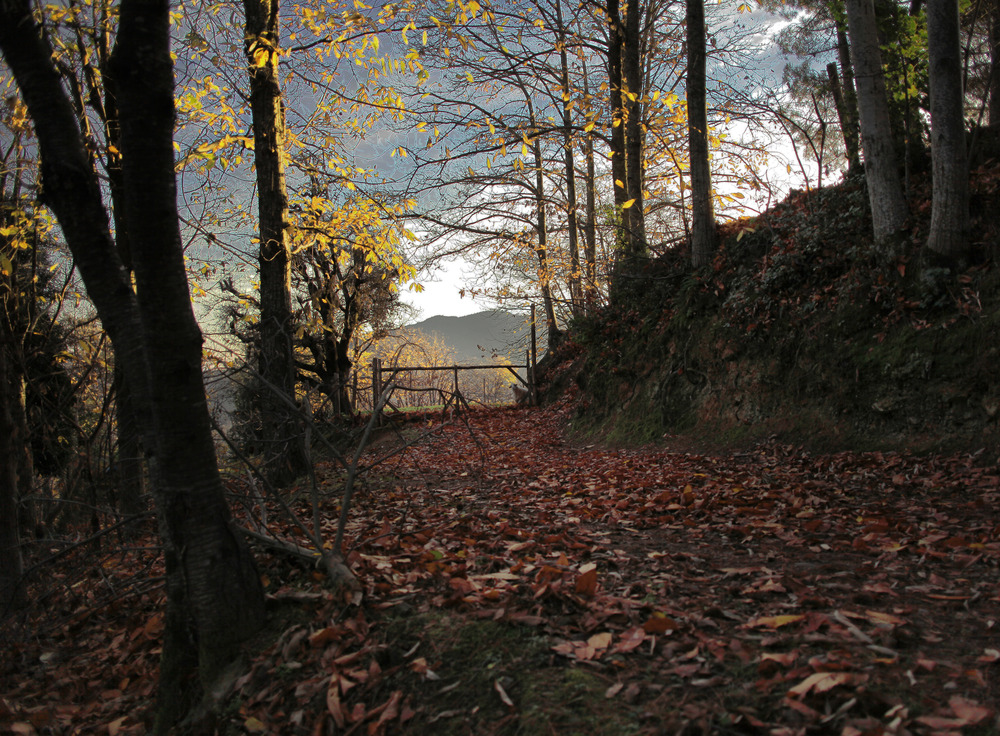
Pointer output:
x,y
472,660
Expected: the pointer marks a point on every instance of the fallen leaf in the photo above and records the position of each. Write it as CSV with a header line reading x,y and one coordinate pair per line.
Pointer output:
x,y
820,682
784,658
776,622
969,712
600,641
660,623
990,655
586,584
324,636
251,724
503,694
333,704
878,617
629,639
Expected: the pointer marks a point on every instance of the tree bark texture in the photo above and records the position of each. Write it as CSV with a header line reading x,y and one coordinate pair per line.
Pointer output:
x,y
215,596
12,591
634,135
575,277
590,223
541,248
848,127
994,91
285,456
849,88
616,40
129,461
885,190
702,212
949,231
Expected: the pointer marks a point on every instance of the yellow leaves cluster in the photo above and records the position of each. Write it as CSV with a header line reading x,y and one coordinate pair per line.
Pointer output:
x,y
358,233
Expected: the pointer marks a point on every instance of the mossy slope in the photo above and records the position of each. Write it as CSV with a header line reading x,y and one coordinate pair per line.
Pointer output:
x,y
803,329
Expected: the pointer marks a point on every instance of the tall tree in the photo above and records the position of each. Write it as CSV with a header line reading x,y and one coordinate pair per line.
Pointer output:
x,y
91,80
885,190
634,84
850,125
618,144
215,598
702,213
575,280
281,434
12,443
949,231
627,82
994,67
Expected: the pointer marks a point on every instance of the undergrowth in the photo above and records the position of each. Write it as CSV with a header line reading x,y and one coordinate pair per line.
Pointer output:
x,y
803,328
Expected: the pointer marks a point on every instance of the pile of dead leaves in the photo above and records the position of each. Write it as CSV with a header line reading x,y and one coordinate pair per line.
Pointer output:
x,y
514,583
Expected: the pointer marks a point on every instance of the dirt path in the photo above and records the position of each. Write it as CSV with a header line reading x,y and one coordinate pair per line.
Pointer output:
x,y
517,584
753,592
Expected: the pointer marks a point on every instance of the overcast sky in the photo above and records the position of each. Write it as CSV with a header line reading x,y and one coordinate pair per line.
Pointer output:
x,y
441,294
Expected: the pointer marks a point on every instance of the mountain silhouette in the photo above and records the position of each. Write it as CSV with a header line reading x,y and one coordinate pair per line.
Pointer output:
x,y
478,338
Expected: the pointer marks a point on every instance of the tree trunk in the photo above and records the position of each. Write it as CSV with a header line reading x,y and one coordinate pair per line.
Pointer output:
x,y
994,91
575,290
215,599
129,459
847,127
285,456
541,249
949,231
12,592
634,135
885,190
590,225
849,88
702,211
616,36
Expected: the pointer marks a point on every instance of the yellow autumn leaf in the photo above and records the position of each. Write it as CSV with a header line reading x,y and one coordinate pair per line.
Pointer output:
x,y
254,725
628,204
260,56
776,622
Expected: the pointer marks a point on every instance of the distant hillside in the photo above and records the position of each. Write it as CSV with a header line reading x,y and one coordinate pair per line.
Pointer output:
x,y
476,338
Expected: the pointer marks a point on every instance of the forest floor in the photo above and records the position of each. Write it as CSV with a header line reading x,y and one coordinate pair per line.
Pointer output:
x,y
518,583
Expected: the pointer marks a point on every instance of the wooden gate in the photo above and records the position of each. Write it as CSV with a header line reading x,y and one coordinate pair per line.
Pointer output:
x,y
383,376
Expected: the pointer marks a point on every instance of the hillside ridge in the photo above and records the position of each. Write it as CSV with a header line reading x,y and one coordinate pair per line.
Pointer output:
x,y
480,337
803,329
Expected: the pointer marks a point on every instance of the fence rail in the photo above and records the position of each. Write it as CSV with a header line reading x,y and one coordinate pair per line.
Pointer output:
x,y
383,375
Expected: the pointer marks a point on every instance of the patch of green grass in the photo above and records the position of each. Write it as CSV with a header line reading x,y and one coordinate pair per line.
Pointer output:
x,y
570,700
469,658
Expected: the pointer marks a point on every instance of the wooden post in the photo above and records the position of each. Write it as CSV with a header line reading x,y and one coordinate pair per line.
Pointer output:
x,y
529,378
534,360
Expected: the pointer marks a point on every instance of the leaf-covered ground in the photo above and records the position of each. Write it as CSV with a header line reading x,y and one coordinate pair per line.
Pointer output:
x,y
516,583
